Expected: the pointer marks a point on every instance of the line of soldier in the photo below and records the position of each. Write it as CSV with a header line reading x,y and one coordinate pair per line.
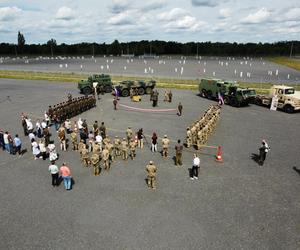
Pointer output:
x,y
72,107
198,133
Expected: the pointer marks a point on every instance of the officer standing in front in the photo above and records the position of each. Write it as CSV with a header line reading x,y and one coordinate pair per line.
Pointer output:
x,y
151,175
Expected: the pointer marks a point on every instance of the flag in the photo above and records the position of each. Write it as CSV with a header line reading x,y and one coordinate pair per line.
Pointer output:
x,y
221,100
116,92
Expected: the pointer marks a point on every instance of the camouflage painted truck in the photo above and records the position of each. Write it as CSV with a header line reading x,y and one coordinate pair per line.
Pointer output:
x,y
143,87
231,92
104,81
288,98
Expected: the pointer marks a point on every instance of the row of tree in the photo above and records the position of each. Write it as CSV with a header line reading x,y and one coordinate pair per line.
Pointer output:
x,y
51,48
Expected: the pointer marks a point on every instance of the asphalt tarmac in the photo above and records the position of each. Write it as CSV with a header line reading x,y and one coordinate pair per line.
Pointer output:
x,y
234,205
230,68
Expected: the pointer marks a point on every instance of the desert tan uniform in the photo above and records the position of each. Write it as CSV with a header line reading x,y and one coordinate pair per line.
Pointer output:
x,y
96,149
199,139
165,145
62,138
85,157
151,175
129,134
117,146
132,146
188,138
110,147
95,160
73,136
105,157
81,146
124,148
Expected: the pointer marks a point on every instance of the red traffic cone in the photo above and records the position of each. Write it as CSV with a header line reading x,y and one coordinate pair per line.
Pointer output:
x,y
219,155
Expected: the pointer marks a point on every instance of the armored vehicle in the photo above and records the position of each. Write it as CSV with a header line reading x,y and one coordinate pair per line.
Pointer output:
x,y
288,98
142,87
230,91
104,83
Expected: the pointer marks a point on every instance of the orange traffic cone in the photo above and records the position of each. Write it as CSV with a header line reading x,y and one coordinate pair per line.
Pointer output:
x,y
219,155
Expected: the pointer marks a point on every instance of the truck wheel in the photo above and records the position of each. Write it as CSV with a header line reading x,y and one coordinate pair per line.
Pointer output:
x,y
209,94
226,100
148,90
107,89
258,102
234,103
203,93
288,109
141,91
86,91
125,92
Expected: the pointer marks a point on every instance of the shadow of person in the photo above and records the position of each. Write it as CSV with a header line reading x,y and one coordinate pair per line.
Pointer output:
x,y
190,172
174,159
255,157
297,170
24,151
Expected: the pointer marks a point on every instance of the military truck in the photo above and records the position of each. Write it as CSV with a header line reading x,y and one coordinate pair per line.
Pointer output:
x,y
104,81
288,98
231,92
142,86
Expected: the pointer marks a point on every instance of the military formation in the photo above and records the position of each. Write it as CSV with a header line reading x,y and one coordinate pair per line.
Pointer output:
x,y
198,133
71,108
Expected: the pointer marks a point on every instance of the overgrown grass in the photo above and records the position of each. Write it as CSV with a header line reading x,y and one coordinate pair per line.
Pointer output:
x,y
161,82
286,61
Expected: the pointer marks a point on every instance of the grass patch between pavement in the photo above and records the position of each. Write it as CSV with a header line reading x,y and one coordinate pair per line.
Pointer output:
x,y
286,61
161,82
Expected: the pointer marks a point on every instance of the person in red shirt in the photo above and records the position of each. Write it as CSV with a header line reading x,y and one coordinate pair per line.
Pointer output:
x,y
66,175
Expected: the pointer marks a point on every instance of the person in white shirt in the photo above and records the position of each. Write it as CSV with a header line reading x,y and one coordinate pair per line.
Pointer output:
x,y
38,129
195,167
47,118
31,136
42,148
35,149
95,85
52,152
99,140
44,124
29,125
53,169
79,124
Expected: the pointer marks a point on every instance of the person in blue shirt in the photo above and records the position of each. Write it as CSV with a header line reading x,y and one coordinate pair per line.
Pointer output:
x,y
18,145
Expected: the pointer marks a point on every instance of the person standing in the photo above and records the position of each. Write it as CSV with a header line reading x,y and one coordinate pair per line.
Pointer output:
x,y
95,161
95,86
165,145
115,102
129,134
38,129
178,150
53,169
105,157
180,107
154,143
102,130
62,138
35,149
43,148
195,167
124,148
151,175
263,150
66,175
170,95
140,136
6,141
2,144
18,145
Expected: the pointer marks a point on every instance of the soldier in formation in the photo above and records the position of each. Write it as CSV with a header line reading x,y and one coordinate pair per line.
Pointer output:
x,y
71,108
198,133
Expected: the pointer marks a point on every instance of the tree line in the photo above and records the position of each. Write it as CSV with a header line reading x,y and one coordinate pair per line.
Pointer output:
x,y
51,48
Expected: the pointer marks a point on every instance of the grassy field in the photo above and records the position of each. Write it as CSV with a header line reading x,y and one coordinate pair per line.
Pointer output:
x,y
161,82
286,61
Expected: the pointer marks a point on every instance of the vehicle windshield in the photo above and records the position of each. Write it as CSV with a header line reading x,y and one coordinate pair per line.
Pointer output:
x,y
249,92
289,91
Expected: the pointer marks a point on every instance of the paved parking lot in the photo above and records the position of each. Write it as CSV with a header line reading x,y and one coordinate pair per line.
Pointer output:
x,y
234,205
231,68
